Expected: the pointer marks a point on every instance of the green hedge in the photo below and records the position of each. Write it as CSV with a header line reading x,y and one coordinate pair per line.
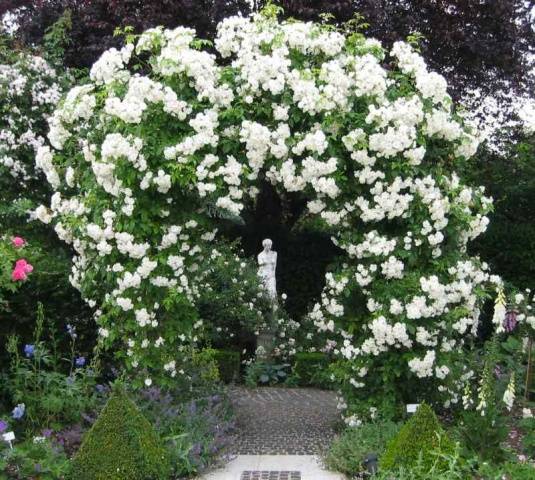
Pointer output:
x,y
310,368
121,445
228,363
421,436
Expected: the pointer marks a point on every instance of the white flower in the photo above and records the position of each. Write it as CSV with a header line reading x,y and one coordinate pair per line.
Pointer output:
x,y
527,116
125,303
509,395
423,367
499,317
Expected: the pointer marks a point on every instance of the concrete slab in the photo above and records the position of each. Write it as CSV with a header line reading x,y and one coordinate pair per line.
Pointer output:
x,y
308,465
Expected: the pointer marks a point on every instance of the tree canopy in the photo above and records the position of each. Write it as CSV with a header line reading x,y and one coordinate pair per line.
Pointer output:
x,y
472,43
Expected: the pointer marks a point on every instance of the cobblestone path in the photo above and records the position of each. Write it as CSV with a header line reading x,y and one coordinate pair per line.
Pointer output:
x,y
283,421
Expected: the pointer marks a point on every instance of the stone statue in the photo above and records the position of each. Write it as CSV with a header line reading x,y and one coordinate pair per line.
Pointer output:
x,y
267,261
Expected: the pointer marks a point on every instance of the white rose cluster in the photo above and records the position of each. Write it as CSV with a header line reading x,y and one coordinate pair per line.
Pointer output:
x,y
30,89
147,163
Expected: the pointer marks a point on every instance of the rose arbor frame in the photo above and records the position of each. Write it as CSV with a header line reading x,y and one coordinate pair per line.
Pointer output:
x,y
166,132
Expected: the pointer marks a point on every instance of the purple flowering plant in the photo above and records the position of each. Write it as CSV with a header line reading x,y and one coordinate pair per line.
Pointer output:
x,y
197,428
3,426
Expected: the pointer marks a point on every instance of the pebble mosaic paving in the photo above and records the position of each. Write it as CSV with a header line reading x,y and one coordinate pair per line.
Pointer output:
x,y
283,421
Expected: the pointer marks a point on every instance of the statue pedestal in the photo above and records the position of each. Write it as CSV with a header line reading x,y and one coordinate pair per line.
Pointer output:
x,y
265,342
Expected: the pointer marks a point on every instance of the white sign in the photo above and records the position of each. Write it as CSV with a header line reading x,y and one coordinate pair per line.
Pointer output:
x,y
412,407
9,437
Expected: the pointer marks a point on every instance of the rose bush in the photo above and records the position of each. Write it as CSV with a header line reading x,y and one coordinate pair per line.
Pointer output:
x,y
32,80
166,138
14,269
30,88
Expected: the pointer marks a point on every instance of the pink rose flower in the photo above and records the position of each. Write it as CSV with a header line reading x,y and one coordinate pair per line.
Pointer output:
x,y
18,242
18,274
24,265
21,270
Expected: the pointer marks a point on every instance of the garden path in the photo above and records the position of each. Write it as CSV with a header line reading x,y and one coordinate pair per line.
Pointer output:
x,y
283,421
280,433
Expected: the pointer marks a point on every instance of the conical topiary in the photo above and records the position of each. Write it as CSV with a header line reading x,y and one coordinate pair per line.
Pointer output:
x,y
121,445
421,436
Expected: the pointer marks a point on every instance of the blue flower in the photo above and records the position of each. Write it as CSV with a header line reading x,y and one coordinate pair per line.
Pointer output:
x,y
3,426
71,331
80,361
18,411
29,350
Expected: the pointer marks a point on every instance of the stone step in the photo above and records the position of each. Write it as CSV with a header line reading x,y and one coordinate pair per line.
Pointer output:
x,y
273,467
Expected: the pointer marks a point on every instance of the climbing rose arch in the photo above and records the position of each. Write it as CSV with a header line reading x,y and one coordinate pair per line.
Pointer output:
x,y
166,133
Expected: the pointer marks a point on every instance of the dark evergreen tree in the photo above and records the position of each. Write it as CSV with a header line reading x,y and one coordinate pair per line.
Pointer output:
x,y
473,43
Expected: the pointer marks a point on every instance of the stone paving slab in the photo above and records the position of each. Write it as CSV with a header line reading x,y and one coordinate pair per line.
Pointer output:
x,y
283,421
307,466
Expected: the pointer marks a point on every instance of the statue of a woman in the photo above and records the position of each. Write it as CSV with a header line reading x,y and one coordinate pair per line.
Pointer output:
x,y
267,261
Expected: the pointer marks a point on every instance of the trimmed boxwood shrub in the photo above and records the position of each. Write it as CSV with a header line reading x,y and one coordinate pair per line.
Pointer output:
x,y
228,363
421,436
310,368
121,445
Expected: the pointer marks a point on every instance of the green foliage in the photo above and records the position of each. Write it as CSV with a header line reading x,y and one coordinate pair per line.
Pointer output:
x,y
204,366
482,425
232,285
49,284
311,369
56,39
418,441
445,466
385,403
527,426
37,458
263,372
271,10
348,451
54,390
228,363
507,471
456,467
483,435
509,241
121,445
